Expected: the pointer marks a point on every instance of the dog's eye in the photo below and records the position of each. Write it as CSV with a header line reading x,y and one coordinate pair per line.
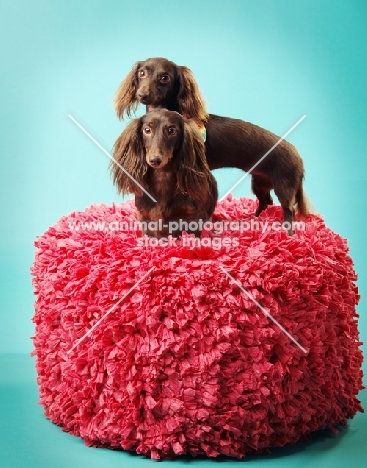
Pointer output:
x,y
147,130
165,79
141,73
172,131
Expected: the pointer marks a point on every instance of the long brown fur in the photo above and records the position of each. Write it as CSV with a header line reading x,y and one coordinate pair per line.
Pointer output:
x,y
191,165
124,100
190,99
129,154
230,142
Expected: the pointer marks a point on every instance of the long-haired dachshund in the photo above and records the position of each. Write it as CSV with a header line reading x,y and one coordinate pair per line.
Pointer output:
x,y
165,154
158,82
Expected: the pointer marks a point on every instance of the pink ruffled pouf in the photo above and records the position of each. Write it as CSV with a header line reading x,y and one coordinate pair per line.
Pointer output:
x,y
246,341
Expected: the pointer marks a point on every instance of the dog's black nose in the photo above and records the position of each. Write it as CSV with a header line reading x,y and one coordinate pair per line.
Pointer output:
x,y
142,96
155,160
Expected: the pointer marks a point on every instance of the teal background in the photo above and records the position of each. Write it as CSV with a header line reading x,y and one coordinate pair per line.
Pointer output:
x,y
265,61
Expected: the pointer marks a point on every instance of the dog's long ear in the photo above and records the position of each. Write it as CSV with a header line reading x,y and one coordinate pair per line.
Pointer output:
x,y
125,100
129,154
190,100
192,168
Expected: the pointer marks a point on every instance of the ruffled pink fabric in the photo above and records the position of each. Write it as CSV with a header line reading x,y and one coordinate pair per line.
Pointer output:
x,y
187,363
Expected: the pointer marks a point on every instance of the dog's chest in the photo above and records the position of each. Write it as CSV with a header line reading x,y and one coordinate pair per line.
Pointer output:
x,y
162,184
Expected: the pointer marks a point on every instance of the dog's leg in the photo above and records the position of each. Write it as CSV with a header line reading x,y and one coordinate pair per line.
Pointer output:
x,y
261,186
287,199
288,219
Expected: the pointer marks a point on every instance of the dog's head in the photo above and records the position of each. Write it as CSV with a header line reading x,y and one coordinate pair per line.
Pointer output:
x,y
161,140
162,134
160,83
157,82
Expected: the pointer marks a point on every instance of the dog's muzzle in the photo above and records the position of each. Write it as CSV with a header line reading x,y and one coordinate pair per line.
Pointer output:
x,y
143,97
155,161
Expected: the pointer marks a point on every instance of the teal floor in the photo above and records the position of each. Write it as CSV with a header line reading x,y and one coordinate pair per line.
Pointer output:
x,y
29,440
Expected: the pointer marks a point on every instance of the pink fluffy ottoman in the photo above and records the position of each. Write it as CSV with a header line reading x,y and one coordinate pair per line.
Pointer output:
x,y
242,343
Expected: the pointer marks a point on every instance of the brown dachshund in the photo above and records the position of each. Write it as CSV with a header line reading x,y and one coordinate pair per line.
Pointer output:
x,y
165,154
160,83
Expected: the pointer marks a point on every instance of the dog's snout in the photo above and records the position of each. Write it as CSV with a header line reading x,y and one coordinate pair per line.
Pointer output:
x,y
155,160
143,95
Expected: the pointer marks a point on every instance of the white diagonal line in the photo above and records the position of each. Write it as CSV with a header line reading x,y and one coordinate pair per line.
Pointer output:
x,y
263,310
108,154
109,311
261,159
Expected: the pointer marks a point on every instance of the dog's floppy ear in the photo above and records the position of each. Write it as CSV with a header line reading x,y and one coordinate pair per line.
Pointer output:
x,y
192,167
125,100
129,154
190,100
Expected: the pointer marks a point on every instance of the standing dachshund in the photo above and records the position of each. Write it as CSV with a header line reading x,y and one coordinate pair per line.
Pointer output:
x,y
158,82
165,154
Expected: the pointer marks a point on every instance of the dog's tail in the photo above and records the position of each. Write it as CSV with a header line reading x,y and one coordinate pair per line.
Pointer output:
x,y
303,204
